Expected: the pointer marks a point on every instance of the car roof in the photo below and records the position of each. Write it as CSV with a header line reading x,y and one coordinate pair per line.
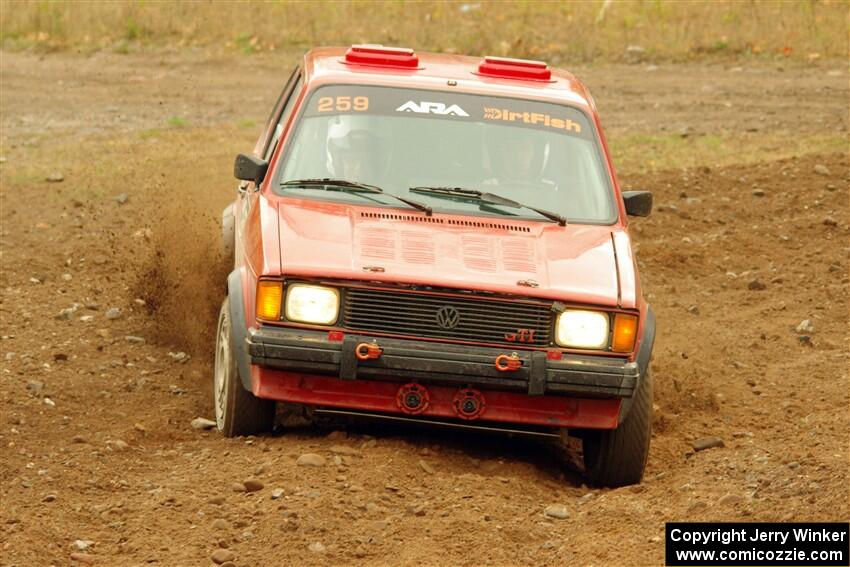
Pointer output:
x,y
326,65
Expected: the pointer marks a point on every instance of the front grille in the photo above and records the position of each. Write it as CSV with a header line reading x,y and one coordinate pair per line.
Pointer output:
x,y
417,315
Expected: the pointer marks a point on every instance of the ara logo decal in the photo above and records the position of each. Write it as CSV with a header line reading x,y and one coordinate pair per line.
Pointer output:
x,y
431,108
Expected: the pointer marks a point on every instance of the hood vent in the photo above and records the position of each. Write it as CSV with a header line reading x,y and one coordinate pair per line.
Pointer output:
x,y
496,225
378,244
417,248
450,222
518,255
409,218
478,253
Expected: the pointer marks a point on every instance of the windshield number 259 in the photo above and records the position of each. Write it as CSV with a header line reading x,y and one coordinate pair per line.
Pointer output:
x,y
343,104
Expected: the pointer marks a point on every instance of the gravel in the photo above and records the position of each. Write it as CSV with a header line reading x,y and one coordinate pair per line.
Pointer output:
x,y
311,460
729,499
67,313
317,547
202,423
220,556
178,356
117,445
253,485
557,511
697,506
344,450
704,443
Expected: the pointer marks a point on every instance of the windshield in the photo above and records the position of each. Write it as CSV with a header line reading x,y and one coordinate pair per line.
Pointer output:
x,y
539,154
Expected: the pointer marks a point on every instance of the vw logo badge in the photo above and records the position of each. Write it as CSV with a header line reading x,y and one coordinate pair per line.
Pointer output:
x,y
447,317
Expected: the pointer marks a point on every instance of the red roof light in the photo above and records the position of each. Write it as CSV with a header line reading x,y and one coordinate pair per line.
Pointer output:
x,y
380,56
507,68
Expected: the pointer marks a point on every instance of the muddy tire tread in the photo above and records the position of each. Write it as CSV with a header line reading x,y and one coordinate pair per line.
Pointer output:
x,y
617,457
245,414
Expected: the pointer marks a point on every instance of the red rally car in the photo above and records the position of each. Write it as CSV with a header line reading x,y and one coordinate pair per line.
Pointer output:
x,y
437,238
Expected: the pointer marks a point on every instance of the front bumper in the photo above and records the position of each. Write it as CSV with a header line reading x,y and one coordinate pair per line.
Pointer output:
x,y
297,350
304,366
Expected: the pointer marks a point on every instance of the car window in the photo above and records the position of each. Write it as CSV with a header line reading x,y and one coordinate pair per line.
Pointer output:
x,y
271,122
284,118
541,154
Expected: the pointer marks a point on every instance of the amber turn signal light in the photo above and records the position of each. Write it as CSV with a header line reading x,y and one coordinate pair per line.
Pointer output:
x,y
269,297
625,331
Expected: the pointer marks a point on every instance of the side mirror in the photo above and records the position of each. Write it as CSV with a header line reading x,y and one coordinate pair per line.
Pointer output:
x,y
638,203
250,168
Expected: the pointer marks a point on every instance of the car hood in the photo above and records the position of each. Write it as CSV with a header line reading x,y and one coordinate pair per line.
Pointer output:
x,y
330,240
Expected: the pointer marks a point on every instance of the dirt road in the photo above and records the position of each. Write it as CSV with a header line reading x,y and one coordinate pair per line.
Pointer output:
x,y
99,462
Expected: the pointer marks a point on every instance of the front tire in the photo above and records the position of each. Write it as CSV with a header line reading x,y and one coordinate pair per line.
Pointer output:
x,y
617,457
237,411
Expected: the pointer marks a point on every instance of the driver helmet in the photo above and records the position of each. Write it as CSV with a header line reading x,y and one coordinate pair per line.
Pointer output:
x,y
517,153
354,150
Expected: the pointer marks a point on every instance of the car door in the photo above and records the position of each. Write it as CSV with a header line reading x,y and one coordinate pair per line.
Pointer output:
x,y
265,147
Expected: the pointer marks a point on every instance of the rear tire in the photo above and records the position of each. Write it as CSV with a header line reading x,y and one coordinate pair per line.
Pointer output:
x,y
617,457
237,411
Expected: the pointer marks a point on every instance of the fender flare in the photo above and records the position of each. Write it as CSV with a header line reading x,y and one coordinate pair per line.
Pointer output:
x,y
239,327
643,357
228,232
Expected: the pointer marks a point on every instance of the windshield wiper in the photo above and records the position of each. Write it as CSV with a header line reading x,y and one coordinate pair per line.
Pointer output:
x,y
328,182
493,199
355,187
415,204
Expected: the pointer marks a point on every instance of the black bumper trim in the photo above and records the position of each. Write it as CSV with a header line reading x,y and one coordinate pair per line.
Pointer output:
x,y
310,352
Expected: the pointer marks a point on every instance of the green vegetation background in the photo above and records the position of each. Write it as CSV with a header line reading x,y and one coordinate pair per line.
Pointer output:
x,y
559,32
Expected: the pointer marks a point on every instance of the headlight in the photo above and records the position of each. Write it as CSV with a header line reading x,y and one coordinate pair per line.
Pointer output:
x,y
312,304
582,329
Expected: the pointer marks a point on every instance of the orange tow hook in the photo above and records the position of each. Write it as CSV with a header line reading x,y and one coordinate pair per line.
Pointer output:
x,y
366,351
508,363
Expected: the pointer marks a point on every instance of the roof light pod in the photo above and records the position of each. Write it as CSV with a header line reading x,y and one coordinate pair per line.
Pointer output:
x,y
380,56
507,68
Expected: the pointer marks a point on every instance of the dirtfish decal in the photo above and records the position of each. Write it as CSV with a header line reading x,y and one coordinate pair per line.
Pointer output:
x,y
432,108
531,118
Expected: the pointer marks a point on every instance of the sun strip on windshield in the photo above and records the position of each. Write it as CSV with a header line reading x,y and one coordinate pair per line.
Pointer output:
x,y
363,99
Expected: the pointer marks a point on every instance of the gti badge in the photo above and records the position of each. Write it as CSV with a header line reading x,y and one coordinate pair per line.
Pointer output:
x,y
521,336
